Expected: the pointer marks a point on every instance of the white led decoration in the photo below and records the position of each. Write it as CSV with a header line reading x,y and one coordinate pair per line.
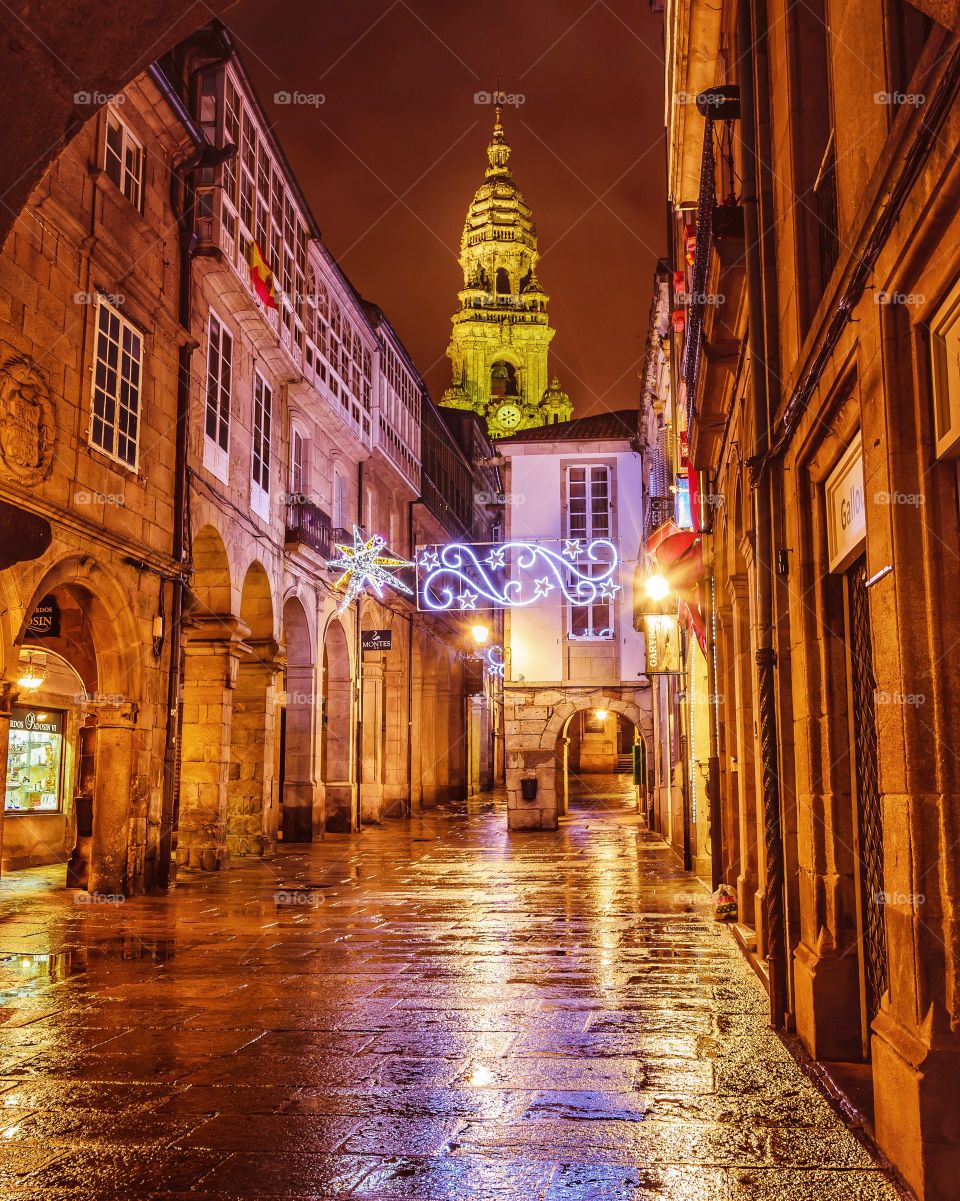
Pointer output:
x,y
464,576
364,567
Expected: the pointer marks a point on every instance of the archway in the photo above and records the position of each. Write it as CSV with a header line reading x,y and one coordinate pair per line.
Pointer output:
x,y
336,742
70,761
252,809
594,756
298,727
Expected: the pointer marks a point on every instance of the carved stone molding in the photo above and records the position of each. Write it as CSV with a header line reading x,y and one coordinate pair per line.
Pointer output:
x,y
27,421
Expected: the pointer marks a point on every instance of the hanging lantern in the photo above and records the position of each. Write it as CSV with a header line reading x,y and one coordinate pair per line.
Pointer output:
x,y
679,282
679,319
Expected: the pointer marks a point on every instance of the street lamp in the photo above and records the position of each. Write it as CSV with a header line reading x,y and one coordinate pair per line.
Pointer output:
x,y
600,714
32,674
657,587
480,634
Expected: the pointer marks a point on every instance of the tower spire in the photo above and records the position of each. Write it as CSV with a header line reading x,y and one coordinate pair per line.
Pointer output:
x,y
498,151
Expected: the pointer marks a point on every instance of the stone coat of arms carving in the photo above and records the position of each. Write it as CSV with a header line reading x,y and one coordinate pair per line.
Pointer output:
x,y
27,420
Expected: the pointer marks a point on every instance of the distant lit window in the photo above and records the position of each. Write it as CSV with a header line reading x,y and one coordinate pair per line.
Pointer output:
x,y
117,384
588,516
123,160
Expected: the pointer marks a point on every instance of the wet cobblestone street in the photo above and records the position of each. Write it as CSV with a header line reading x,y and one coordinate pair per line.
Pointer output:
x,y
430,1010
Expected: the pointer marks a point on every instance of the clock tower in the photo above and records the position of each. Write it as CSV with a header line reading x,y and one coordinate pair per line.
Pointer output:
x,y
501,332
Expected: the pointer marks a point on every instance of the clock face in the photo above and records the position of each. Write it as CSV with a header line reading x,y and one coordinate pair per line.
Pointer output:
x,y
509,416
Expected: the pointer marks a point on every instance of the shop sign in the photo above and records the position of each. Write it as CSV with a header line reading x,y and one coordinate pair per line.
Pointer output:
x,y
45,622
376,640
36,721
846,509
662,634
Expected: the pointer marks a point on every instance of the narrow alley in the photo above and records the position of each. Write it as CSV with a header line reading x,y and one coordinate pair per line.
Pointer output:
x,y
430,1010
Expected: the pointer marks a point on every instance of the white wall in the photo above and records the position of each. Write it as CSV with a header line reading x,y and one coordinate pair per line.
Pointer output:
x,y
534,510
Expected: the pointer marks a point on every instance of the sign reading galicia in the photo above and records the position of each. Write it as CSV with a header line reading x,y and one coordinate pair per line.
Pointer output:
x,y
662,634
846,509
45,622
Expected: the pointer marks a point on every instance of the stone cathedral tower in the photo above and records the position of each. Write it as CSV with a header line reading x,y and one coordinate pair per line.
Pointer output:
x,y
501,333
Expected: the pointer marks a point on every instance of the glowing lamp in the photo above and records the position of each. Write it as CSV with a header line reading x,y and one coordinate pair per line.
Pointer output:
x,y
600,714
31,674
480,634
656,587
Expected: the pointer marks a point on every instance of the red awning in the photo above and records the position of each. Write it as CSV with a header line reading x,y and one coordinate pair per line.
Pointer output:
x,y
678,555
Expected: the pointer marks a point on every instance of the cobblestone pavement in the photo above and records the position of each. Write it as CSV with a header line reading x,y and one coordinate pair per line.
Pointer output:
x,y
429,1011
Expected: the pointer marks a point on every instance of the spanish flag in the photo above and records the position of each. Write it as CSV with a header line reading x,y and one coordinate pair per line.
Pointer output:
x,y
261,277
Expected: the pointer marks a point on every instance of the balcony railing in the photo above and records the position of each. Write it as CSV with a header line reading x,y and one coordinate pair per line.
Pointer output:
x,y
308,525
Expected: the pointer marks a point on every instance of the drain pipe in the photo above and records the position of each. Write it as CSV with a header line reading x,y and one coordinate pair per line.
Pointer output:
x,y
754,52
410,634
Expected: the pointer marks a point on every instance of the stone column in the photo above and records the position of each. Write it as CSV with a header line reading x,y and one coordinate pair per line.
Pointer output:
x,y
371,782
252,811
211,662
394,766
300,747
742,744
441,746
112,790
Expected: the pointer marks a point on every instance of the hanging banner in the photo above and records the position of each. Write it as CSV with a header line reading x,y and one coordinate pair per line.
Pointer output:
x,y
45,622
662,634
376,640
506,575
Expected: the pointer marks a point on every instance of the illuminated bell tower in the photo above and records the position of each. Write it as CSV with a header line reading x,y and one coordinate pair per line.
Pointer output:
x,y
501,333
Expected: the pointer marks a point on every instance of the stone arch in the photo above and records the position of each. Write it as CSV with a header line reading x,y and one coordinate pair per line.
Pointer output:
x,y
211,585
114,632
298,728
562,713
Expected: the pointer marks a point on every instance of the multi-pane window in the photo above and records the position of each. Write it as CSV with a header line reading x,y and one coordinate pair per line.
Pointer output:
x,y
298,463
123,160
262,418
117,385
219,377
339,500
588,513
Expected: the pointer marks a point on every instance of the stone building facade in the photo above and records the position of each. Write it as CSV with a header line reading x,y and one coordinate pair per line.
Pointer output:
x,y
569,483
198,409
814,273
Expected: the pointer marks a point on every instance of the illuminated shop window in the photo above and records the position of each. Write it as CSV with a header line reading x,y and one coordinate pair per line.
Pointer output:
x,y
35,760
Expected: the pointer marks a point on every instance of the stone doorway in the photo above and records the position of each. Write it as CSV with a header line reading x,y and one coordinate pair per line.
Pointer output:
x,y
336,742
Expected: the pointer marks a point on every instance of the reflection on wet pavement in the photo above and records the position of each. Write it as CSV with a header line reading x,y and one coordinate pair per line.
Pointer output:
x,y
430,1010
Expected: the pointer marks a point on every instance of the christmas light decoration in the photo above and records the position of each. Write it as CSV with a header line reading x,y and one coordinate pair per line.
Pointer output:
x,y
494,657
364,566
464,576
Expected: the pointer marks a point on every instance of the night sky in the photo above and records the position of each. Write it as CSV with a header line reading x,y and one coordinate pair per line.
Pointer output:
x,y
391,158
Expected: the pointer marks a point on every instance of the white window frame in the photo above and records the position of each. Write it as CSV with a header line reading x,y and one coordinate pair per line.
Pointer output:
x,y
260,465
130,179
590,528
216,456
339,504
944,348
115,388
299,462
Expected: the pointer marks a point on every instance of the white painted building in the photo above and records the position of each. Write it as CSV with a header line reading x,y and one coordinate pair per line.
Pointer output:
x,y
576,694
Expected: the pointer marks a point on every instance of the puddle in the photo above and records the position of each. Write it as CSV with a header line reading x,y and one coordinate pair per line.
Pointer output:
x,y
28,966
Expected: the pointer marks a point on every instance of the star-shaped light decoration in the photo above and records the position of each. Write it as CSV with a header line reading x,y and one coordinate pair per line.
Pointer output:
x,y
468,599
572,548
495,558
543,587
608,590
429,559
363,567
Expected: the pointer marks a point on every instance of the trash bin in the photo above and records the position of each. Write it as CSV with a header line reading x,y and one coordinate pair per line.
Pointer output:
x,y
528,788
